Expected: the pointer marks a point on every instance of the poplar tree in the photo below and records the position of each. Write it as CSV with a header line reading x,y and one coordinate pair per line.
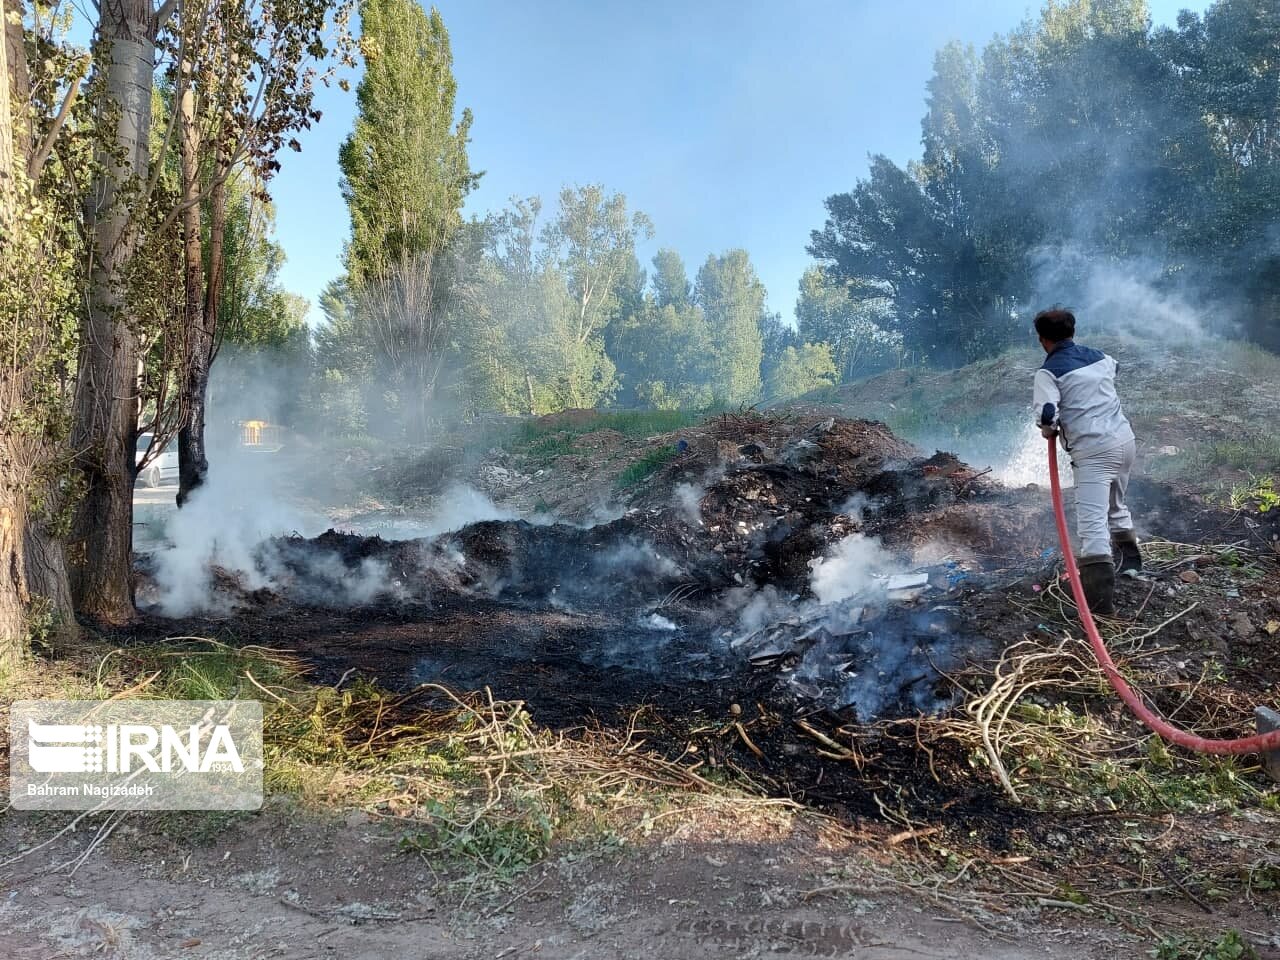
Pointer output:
x,y
405,176
732,299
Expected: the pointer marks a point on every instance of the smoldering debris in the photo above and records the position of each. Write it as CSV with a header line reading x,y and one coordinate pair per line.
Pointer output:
x,y
885,647
850,568
514,560
769,545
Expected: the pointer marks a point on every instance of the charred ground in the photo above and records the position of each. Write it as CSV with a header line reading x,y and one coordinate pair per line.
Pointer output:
x,y
643,620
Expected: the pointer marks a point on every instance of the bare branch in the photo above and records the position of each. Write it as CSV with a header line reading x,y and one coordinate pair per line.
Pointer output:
x,y
165,12
41,156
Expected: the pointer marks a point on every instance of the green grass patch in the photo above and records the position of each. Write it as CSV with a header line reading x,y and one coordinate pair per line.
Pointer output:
x,y
555,435
645,467
1257,455
506,845
1250,360
1228,945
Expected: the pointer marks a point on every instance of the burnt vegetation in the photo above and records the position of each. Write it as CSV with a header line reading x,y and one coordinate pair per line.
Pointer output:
x,y
953,699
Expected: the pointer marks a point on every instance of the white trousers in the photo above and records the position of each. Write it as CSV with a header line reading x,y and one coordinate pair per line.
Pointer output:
x,y
1102,479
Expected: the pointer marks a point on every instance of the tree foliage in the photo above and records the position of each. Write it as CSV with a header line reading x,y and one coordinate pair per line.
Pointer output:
x,y
732,299
861,332
404,167
1083,138
800,370
405,175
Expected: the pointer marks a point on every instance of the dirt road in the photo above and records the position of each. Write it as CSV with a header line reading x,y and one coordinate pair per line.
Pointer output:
x,y
280,885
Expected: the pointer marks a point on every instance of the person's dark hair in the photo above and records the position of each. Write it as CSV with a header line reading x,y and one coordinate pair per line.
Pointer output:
x,y
1056,324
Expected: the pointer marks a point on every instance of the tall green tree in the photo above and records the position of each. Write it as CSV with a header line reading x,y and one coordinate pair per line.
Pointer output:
x,y
405,172
592,244
343,367
589,251
40,285
861,333
405,176
510,356
671,287
732,298
107,401
1080,144
662,343
1229,201
800,370
242,74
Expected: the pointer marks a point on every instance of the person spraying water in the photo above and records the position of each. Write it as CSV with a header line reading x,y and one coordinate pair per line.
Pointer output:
x,y
1076,400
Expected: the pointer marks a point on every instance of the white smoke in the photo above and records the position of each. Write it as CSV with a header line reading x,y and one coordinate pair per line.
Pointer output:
x,y
454,509
689,498
222,525
853,566
1133,298
756,607
856,506
638,559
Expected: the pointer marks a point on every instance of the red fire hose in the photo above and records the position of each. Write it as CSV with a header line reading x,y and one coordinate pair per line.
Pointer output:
x,y
1260,743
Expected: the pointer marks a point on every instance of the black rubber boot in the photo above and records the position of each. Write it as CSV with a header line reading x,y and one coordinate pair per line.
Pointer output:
x,y
1126,545
1098,577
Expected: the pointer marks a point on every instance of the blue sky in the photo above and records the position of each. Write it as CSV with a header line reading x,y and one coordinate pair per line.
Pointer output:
x,y
727,121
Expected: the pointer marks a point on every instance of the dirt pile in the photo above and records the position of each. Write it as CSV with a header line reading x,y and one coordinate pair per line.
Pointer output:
x,y
744,500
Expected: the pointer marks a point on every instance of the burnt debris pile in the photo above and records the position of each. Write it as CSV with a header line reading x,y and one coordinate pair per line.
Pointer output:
x,y
823,555
861,661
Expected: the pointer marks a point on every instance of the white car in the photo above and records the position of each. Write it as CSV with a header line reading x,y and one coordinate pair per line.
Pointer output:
x,y
164,467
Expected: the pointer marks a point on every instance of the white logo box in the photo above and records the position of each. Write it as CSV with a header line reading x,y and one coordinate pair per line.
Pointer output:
x,y
135,755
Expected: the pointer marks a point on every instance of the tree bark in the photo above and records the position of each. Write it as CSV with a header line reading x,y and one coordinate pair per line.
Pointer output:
x,y
13,586
192,463
32,560
47,578
13,581
10,54
105,416
14,597
202,332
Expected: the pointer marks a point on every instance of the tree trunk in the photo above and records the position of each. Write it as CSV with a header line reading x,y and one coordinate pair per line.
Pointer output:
x,y
13,495
32,561
105,419
47,578
13,578
193,461
10,52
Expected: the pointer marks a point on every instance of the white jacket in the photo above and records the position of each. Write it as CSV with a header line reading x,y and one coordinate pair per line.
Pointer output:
x,y
1076,388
